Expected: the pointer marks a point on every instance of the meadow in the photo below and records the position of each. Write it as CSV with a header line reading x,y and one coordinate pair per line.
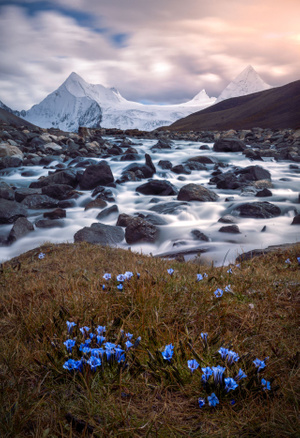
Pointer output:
x,y
167,349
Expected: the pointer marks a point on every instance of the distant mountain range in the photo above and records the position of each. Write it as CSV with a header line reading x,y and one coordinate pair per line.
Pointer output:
x,y
277,108
76,103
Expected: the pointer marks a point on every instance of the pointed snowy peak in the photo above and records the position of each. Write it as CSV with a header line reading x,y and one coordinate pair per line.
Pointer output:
x,y
247,82
200,99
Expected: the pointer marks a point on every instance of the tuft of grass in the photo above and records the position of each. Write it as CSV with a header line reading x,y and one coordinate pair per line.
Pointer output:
x,y
147,396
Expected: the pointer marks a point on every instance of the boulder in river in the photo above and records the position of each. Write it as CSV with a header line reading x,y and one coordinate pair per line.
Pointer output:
x,y
21,227
259,210
10,211
100,234
95,175
140,230
158,188
229,145
196,192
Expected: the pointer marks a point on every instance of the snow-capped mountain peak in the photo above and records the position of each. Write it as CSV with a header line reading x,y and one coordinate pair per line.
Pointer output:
x,y
247,82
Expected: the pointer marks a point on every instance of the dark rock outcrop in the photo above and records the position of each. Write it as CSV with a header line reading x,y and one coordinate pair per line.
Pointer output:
x,y
21,227
196,192
158,188
140,230
99,233
229,145
95,175
258,210
10,211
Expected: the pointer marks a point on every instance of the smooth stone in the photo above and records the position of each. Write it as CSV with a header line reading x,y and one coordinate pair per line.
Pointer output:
x,y
21,227
196,192
99,233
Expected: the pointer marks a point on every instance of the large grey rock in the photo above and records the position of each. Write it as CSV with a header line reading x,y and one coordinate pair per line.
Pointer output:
x,y
101,234
21,227
254,173
258,210
7,150
232,229
296,220
58,191
140,230
66,176
39,201
196,192
147,170
14,161
6,192
107,212
10,211
229,145
22,193
95,175
157,187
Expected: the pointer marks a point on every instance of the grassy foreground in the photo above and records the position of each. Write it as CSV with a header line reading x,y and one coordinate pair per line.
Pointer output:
x,y
146,395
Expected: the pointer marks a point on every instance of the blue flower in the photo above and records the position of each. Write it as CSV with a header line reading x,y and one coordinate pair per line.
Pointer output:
x,y
72,364
128,344
128,335
109,349
97,352
207,372
94,362
199,277
201,402
223,352
232,402
138,275
266,384
168,352
298,260
70,326
218,293
240,375
288,262
137,342
120,286
229,271
204,338
41,255
260,364
100,339
232,356
128,275
103,286
84,330
101,329
205,275
107,276
228,288
170,271
212,399
230,384
218,372
192,364
119,354
69,343
121,277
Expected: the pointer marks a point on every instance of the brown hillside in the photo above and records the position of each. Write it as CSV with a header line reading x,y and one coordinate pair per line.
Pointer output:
x,y
277,108
11,119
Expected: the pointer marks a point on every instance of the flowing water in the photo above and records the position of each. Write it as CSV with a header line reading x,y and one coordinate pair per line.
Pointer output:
x,y
175,235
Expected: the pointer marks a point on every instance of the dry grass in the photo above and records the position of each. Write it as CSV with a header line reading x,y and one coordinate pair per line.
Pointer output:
x,y
38,398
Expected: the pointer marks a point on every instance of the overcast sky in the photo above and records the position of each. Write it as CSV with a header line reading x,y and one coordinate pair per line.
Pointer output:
x,y
154,51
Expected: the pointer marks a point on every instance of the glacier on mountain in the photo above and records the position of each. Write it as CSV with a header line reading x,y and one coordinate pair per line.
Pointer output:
x,y
76,103
247,82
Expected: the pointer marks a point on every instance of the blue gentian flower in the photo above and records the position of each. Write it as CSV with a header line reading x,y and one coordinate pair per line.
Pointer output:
x,y
128,275
229,271
218,293
192,364
84,330
201,402
137,342
107,276
128,344
97,352
230,384
232,402
128,335
119,354
266,384
228,288
240,375
223,352
218,372
71,364
70,326
41,255
207,372
298,260
260,364
121,277
100,339
232,356
69,343
94,362
199,277
138,275
212,399
205,275
92,335
204,337
120,286
103,286
168,352
170,271
101,329
109,349
288,262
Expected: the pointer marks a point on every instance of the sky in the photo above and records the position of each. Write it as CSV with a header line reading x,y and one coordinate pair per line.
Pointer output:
x,y
152,51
